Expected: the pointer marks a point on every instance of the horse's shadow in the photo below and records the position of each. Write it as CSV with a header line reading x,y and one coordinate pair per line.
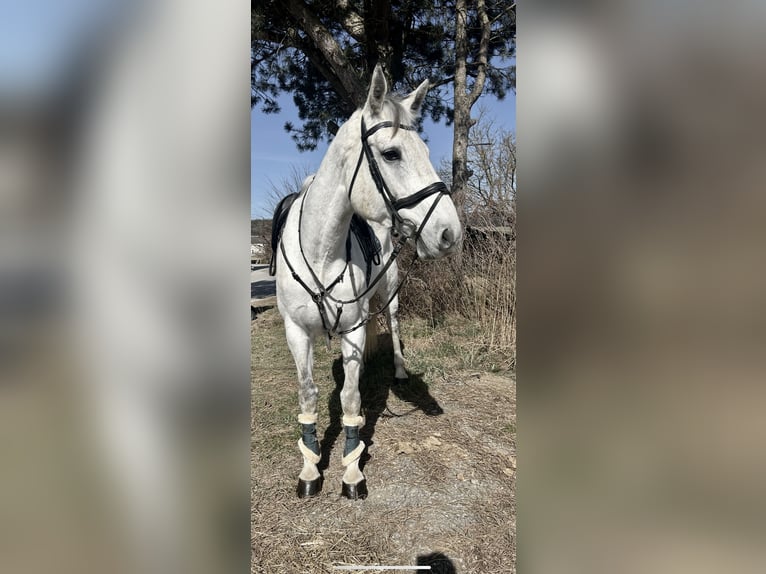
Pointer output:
x,y
375,386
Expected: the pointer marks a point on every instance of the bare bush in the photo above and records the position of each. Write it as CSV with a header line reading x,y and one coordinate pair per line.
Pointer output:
x,y
260,229
287,185
489,270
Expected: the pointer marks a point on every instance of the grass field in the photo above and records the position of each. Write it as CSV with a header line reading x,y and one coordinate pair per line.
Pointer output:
x,y
440,463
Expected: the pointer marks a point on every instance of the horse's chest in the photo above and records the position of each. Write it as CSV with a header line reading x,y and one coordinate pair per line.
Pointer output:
x,y
338,309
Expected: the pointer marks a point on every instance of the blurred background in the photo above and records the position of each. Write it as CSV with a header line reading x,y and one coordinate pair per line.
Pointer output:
x,y
124,347
641,287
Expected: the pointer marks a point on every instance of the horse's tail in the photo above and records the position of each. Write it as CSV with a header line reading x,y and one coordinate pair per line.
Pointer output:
x,y
371,337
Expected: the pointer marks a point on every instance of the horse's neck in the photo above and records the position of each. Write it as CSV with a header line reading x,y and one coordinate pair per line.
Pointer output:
x,y
327,210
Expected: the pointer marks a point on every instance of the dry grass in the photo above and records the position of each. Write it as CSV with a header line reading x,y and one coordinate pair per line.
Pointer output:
x,y
479,285
441,476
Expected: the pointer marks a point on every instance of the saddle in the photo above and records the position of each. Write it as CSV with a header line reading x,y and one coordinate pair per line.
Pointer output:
x,y
359,228
277,223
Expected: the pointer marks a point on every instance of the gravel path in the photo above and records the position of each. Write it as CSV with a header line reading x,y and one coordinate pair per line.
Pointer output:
x,y
262,284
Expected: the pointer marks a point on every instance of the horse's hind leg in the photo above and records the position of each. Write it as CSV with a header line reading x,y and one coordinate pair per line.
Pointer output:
x,y
309,480
352,346
400,373
389,283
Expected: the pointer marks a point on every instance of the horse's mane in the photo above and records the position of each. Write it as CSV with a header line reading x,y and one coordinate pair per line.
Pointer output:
x,y
402,114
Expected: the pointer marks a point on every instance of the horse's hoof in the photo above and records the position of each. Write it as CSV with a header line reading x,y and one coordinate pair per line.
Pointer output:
x,y
398,381
308,488
356,491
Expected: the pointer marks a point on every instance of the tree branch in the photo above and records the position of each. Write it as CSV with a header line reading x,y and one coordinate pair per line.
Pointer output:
x,y
319,63
287,38
507,10
351,21
329,48
441,82
378,30
481,75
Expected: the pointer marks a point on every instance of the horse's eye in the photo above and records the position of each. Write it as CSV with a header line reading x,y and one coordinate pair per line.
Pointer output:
x,y
392,155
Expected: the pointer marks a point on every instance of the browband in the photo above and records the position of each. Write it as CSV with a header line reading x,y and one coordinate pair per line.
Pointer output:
x,y
386,124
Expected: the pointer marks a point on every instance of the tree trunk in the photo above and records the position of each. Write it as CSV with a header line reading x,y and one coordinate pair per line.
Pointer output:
x,y
379,50
465,99
462,107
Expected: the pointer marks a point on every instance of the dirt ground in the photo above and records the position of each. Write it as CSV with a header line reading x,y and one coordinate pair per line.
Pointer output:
x,y
440,462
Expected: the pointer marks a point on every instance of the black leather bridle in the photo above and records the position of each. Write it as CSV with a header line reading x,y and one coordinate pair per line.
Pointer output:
x,y
399,231
392,204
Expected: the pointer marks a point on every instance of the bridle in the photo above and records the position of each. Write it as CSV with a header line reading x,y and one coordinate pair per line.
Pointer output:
x,y
393,205
399,228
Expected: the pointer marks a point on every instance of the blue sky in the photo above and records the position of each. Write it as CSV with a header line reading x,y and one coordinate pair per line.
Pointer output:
x,y
273,155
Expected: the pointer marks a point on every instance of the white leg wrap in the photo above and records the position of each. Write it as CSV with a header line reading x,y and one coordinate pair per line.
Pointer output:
x,y
354,454
307,419
357,421
307,453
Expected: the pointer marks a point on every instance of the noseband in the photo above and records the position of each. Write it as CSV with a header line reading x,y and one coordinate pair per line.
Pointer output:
x,y
399,230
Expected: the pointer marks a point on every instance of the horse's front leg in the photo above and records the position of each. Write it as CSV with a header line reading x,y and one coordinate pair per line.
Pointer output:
x,y
309,480
352,347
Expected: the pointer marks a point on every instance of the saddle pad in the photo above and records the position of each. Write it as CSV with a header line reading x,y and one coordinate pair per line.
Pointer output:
x,y
367,241
277,223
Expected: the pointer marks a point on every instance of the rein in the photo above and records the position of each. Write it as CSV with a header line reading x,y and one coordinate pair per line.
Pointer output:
x,y
399,231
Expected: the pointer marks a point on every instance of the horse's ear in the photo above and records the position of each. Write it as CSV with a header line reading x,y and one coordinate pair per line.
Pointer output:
x,y
378,90
415,100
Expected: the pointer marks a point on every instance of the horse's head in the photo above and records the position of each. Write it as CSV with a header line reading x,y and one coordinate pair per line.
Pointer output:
x,y
399,184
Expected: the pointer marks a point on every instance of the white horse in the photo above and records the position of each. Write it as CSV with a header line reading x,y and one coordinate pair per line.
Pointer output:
x,y
322,279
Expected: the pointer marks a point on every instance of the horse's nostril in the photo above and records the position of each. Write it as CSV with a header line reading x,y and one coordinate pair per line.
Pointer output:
x,y
448,237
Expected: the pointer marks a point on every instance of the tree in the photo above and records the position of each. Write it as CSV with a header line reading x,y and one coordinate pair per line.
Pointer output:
x,y
489,194
323,52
